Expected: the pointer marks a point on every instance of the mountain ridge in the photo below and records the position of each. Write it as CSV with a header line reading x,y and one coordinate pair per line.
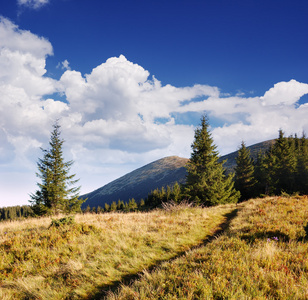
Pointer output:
x,y
157,174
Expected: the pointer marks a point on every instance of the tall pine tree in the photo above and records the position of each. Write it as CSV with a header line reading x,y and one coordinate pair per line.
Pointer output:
x,y
286,164
56,193
244,173
206,181
301,176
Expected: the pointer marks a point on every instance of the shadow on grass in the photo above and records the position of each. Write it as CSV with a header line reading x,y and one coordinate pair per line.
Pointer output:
x,y
130,278
277,234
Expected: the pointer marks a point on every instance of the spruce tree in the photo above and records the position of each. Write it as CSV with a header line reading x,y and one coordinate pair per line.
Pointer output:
x,y
206,181
260,174
113,206
244,173
56,193
176,192
107,207
302,166
285,164
132,205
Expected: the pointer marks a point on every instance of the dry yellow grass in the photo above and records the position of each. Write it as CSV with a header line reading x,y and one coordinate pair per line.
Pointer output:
x,y
262,255
82,259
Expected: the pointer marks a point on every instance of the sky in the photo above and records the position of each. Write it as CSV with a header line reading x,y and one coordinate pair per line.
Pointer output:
x,y
130,79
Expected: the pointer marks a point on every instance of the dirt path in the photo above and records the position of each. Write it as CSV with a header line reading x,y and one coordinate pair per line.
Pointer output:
x,y
130,278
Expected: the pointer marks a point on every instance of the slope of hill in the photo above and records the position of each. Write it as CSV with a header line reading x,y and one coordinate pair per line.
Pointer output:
x,y
166,171
78,260
254,150
261,254
139,183
256,249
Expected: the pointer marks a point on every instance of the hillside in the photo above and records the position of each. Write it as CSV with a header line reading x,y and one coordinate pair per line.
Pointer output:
x,y
262,253
257,249
139,183
254,150
82,259
166,171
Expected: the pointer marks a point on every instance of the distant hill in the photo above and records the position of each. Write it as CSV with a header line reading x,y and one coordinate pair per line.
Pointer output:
x,y
166,171
139,183
254,150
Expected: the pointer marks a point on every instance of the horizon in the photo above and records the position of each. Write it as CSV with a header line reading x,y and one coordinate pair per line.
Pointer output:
x,y
130,80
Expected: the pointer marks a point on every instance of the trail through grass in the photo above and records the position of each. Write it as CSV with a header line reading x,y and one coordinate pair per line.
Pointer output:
x,y
262,255
80,260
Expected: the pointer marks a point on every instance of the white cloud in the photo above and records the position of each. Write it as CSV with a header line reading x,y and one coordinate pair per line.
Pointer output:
x,y
64,65
35,4
15,39
285,93
22,86
22,60
120,107
117,118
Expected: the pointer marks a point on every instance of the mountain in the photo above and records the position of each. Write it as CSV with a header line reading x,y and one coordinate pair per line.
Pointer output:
x,y
139,183
254,150
166,171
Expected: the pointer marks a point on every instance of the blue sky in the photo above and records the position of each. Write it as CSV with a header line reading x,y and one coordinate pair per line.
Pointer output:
x,y
130,79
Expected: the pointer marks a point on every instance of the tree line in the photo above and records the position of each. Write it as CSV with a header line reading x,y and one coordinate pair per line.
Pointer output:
x,y
15,212
281,169
129,206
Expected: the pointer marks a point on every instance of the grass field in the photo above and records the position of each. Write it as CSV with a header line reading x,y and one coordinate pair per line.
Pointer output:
x,y
83,260
263,254
254,250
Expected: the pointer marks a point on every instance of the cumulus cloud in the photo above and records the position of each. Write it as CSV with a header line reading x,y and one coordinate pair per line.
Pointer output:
x,y
121,108
22,84
285,93
15,39
117,117
35,4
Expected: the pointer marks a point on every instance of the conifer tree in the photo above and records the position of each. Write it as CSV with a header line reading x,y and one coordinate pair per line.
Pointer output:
x,y
168,193
132,205
120,205
107,207
56,191
283,168
141,204
176,192
244,173
113,206
267,168
206,181
259,174
302,166
285,164
88,209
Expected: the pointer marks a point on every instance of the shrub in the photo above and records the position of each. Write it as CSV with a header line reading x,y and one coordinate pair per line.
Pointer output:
x,y
63,221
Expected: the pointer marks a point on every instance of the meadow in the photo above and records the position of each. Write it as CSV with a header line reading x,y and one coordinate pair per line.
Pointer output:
x,y
85,259
253,250
263,254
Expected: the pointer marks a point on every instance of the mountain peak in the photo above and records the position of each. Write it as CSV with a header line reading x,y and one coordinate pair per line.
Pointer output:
x,y
140,182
